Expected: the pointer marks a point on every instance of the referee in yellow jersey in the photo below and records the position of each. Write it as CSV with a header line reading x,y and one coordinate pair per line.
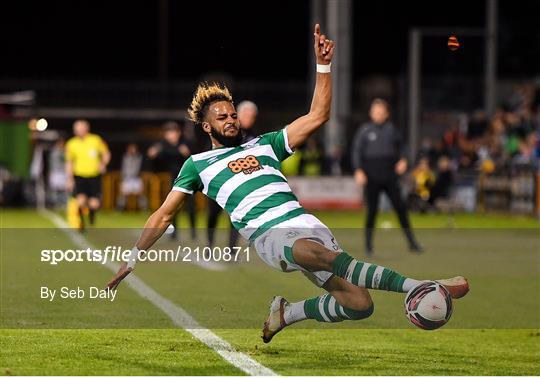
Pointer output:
x,y
87,156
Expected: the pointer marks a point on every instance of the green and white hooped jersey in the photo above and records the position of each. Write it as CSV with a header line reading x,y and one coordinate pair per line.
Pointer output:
x,y
246,181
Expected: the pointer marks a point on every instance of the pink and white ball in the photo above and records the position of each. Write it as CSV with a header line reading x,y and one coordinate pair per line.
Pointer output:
x,y
428,305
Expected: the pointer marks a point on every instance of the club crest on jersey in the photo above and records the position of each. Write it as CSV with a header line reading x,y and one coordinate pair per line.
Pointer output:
x,y
248,165
291,234
248,146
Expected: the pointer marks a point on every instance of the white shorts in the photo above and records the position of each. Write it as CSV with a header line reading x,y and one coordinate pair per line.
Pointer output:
x,y
57,181
132,185
275,246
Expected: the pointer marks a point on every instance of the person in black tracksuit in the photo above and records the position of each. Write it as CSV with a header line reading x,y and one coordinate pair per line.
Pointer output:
x,y
168,155
378,161
247,115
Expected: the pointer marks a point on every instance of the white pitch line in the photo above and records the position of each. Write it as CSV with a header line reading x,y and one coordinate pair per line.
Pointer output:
x,y
177,314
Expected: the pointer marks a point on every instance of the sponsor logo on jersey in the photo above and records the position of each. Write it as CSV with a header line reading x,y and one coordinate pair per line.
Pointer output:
x,y
247,165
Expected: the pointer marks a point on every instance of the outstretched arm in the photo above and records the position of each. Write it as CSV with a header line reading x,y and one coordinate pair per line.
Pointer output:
x,y
299,130
153,229
161,219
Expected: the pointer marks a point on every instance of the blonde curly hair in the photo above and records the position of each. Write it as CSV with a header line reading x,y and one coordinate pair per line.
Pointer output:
x,y
205,95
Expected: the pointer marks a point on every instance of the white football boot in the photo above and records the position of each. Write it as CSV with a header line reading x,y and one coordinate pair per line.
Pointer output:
x,y
276,320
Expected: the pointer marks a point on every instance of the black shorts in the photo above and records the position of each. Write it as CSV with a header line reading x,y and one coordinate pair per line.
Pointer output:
x,y
90,186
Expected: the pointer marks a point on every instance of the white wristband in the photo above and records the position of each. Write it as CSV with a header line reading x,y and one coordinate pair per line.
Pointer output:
x,y
324,68
132,258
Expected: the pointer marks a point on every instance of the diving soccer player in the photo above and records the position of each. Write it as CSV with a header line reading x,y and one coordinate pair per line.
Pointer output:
x,y
246,181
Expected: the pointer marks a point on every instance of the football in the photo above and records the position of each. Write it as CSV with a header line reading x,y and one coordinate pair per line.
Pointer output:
x,y
428,305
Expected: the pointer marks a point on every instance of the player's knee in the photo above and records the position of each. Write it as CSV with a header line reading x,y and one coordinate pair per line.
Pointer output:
x,y
362,313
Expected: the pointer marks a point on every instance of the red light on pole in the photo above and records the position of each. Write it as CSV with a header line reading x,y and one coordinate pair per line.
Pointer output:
x,y
453,43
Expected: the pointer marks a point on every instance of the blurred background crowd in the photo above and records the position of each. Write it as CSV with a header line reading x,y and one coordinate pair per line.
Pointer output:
x,y
131,81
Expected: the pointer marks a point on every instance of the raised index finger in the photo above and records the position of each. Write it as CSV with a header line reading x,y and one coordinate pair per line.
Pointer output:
x,y
317,33
317,29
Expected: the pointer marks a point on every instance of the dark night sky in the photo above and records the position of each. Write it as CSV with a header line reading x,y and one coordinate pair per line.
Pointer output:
x,y
118,39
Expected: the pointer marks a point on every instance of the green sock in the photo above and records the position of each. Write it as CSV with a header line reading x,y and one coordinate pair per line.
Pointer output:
x,y
370,276
325,308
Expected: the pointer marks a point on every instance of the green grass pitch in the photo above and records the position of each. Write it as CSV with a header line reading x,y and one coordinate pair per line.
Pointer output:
x,y
493,331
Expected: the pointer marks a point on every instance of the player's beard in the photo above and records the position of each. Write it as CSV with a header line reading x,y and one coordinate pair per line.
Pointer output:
x,y
227,141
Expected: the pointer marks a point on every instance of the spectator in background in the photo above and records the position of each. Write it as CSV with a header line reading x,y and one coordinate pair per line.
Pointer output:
x,y
451,142
458,147
378,159
478,125
57,173
311,159
291,166
515,132
496,140
131,183
527,150
169,154
428,149
247,113
87,157
443,182
423,180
